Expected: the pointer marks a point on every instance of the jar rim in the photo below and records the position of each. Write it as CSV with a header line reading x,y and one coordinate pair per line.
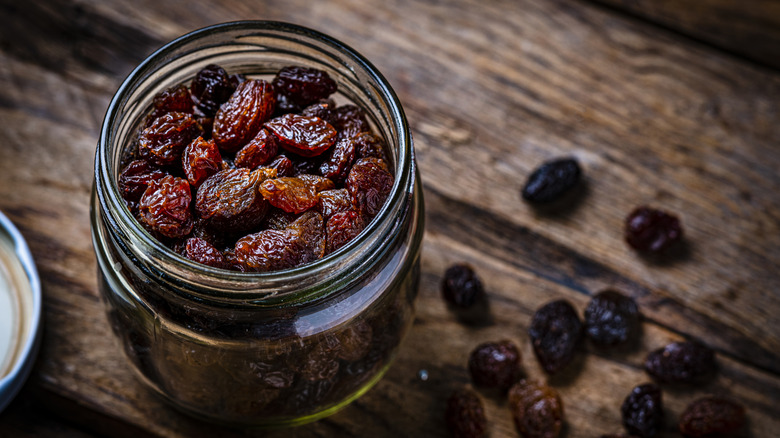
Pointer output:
x,y
109,195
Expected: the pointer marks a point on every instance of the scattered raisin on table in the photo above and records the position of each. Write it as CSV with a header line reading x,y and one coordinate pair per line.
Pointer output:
x,y
642,411
461,287
465,415
165,207
652,230
555,331
611,318
495,364
681,362
551,180
712,416
537,409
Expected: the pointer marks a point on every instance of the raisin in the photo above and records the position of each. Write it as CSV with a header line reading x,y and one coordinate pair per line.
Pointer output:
x,y
305,136
465,415
349,120
259,151
230,200
210,88
165,207
338,164
461,287
201,159
651,230
282,165
611,318
536,408
270,250
551,180
342,227
642,410
333,201
135,178
495,364
712,416
319,109
240,118
174,99
555,331
369,145
294,194
164,140
310,229
297,87
369,184
681,362
201,251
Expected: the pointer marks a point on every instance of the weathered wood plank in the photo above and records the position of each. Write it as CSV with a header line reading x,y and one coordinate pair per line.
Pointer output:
x,y
751,29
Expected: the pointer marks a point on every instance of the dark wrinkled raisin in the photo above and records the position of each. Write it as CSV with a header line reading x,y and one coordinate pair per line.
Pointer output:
x,y
210,88
165,207
319,109
342,227
681,362
135,178
712,416
282,165
240,118
333,201
278,219
369,183
298,87
201,251
465,415
259,151
651,230
294,194
164,140
201,159
230,199
495,364
642,411
339,162
461,287
555,332
174,99
349,120
536,408
611,318
369,145
305,136
303,241
551,180
355,341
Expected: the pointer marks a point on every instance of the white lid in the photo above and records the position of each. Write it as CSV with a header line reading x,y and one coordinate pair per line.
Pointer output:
x,y
20,311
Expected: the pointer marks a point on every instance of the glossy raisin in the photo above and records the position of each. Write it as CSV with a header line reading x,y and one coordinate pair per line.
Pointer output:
x,y
369,183
135,178
230,199
651,230
349,120
341,228
162,142
537,409
210,88
334,201
369,145
174,99
282,165
305,136
339,161
199,250
294,194
681,362
555,332
240,118
259,151
297,87
465,415
319,109
611,318
551,180
711,417
642,411
201,159
310,228
270,250
461,287
165,207
495,364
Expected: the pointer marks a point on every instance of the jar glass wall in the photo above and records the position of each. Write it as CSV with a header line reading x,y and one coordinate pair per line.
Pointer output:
x,y
270,348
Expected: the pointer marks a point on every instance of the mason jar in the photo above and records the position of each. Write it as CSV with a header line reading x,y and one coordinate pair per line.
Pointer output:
x,y
269,348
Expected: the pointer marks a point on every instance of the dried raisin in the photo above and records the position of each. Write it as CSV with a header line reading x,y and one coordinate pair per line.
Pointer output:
x,y
165,207
349,120
341,228
495,364
555,332
642,410
461,287
164,140
465,415
201,159
259,151
294,194
611,318
537,409
681,362
369,183
201,251
712,416
652,230
210,88
135,178
240,118
297,87
230,200
333,201
174,99
339,162
305,136
551,180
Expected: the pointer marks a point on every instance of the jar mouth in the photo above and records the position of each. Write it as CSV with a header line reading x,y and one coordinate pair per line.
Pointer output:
x,y
349,61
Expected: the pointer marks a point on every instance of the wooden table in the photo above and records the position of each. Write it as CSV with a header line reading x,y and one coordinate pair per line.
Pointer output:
x,y
673,103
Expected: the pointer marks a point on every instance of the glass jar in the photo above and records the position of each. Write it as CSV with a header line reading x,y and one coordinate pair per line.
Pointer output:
x,y
276,348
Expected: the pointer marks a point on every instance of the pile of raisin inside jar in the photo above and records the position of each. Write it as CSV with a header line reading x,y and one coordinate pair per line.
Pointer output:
x,y
254,176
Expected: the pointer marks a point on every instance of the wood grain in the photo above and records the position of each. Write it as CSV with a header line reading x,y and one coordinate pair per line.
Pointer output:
x,y
491,89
